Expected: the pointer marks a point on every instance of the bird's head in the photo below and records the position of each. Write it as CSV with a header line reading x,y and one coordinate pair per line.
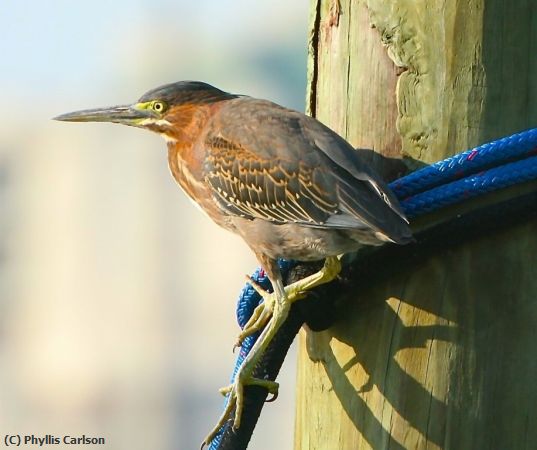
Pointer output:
x,y
165,110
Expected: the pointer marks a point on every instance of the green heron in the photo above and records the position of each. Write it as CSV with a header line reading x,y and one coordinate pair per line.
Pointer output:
x,y
290,186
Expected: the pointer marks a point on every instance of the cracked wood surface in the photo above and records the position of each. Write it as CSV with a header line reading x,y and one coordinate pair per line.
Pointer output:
x,y
443,356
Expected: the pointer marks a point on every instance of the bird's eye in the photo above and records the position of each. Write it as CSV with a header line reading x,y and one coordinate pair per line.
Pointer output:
x,y
158,107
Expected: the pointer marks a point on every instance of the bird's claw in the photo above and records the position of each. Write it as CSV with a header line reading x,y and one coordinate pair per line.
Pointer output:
x,y
235,401
259,322
263,312
261,315
273,398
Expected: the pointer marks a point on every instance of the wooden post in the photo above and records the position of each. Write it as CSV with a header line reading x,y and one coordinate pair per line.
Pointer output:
x,y
443,356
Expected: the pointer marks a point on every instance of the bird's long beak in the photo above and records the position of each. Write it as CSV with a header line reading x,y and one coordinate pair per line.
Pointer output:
x,y
125,115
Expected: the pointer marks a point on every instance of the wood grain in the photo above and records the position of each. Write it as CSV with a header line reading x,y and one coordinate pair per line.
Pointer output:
x,y
443,356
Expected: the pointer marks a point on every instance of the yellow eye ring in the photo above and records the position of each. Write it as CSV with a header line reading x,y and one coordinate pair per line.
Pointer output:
x,y
158,107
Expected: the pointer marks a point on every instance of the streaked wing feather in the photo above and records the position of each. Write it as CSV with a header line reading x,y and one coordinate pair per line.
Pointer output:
x,y
248,186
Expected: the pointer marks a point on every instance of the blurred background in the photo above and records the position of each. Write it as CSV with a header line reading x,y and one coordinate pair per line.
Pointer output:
x,y
117,296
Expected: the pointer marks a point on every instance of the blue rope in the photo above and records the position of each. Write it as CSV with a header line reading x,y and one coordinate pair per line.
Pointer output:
x,y
452,180
471,186
516,146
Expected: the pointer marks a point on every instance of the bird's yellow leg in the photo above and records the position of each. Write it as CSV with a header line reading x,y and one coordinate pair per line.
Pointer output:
x,y
294,291
274,310
244,377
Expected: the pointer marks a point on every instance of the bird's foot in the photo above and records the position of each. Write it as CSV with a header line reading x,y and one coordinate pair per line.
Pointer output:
x,y
235,398
293,292
330,270
263,312
261,315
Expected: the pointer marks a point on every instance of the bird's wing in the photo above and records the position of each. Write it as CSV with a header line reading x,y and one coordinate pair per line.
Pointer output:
x,y
347,159
267,162
249,184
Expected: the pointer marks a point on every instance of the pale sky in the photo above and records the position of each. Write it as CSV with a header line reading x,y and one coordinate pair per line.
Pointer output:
x,y
86,48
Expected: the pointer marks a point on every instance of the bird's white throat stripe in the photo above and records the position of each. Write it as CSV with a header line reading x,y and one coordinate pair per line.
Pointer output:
x,y
159,122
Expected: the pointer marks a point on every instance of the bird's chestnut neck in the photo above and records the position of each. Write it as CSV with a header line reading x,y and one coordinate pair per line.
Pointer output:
x,y
186,121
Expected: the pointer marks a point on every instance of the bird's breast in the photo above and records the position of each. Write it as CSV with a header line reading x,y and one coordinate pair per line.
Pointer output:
x,y
186,168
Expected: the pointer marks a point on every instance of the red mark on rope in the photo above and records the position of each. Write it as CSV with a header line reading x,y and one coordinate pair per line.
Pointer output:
x,y
472,155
